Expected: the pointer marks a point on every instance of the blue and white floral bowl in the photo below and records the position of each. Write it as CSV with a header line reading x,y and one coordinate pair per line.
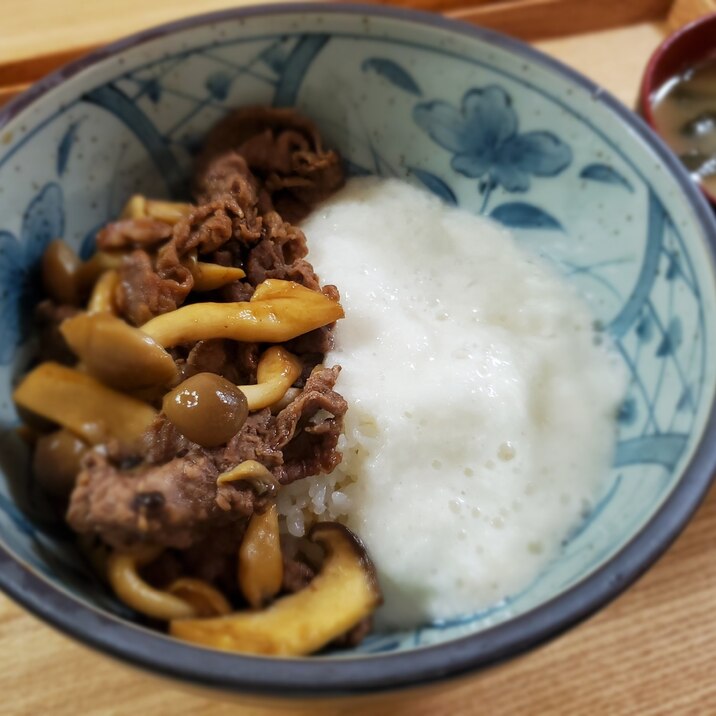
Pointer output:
x,y
483,122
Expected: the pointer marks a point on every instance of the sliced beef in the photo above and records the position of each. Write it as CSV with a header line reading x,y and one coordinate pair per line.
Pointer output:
x,y
133,234
254,442
173,505
237,291
48,317
282,149
314,343
208,228
307,430
354,636
163,442
233,360
142,293
214,558
297,575
280,254
226,173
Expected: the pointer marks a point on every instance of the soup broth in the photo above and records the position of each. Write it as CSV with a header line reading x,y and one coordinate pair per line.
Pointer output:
x,y
685,114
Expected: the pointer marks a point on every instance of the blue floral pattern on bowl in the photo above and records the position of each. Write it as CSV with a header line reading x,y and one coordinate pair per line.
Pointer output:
x,y
518,142
482,134
43,220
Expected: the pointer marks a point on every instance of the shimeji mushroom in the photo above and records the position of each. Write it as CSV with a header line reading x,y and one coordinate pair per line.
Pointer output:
x,y
102,297
261,478
277,312
83,405
185,597
339,597
60,265
89,272
260,560
207,409
116,353
276,372
208,276
139,207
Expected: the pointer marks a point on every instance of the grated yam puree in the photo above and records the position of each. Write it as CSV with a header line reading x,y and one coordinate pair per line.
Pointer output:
x,y
481,420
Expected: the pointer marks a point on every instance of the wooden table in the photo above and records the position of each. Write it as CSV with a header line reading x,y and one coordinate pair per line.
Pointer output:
x,y
653,651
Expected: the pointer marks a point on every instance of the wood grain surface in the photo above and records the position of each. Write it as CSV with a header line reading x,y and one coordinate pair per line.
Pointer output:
x,y
653,651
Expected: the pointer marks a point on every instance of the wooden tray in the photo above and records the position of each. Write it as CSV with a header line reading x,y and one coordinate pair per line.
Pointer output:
x,y
652,651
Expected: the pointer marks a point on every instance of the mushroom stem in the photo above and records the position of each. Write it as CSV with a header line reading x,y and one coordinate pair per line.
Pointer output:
x,y
291,311
83,405
102,297
208,277
128,585
170,212
262,478
206,599
260,562
90,271
276,372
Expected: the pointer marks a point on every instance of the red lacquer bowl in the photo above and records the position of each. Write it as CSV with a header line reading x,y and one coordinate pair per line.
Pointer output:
x,y
686,47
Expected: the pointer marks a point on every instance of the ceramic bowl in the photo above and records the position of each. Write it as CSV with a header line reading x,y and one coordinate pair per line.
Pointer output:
x,y
482,121
685,48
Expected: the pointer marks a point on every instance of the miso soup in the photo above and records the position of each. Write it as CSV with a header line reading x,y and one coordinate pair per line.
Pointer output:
x,y
685,114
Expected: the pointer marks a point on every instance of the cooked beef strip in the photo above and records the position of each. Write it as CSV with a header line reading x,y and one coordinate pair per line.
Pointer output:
x,y
233,360
132,234
283,150
309,447
354,636
142,293
226,173
174,504
296,575
280,254
214,558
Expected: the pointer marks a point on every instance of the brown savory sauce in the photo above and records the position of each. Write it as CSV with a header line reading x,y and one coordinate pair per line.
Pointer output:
x,y
685,114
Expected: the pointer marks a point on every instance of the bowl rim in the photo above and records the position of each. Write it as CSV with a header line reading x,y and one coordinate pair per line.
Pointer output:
x,y
648,84
323,677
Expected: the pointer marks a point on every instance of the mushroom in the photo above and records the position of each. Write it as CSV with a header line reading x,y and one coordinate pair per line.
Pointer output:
x,y
83,405
185,597
128,585
60,265
170,212
116,353
260,561
56,461
102,297
206,600
261,478
276,372
290,310
341,595
207,409
288,397
89,272
208,277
